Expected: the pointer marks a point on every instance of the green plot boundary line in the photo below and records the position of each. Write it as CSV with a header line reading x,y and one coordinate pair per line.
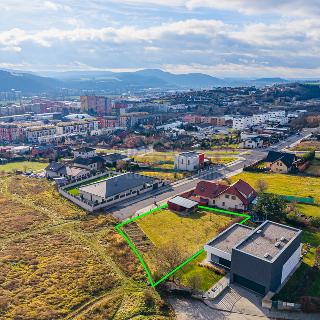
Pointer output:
x,y
118,227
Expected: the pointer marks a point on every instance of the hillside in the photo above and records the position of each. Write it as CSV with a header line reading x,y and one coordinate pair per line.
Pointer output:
x,y
58,263
115,81
26,82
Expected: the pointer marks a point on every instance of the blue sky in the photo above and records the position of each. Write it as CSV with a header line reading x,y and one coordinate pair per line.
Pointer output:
x,y
232,38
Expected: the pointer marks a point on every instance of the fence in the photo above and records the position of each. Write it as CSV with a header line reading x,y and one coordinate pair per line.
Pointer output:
x,y
298,199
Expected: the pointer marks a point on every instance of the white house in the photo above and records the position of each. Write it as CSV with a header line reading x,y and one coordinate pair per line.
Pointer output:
x,y
34,134
238,196
252,143
84,152
241,123
260,118
84,126
189,161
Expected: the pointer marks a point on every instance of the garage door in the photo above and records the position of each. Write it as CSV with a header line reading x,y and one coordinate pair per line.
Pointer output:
x,y
249,284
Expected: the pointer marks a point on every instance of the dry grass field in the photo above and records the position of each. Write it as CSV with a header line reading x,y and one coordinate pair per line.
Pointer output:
x,y
58,263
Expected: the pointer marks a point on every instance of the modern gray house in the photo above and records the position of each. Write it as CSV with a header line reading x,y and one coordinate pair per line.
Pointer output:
x,y
259,259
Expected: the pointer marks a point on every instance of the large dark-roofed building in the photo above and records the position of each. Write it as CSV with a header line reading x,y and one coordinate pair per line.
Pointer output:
x,y
117,188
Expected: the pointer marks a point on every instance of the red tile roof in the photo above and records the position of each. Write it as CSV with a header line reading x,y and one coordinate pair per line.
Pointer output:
x,y
209,189
212,190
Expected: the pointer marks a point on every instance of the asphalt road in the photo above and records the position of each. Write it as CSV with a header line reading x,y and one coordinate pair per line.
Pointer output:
x,y
129,208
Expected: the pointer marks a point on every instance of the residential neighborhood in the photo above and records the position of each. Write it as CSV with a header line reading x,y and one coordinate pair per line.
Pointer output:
x,y
159,160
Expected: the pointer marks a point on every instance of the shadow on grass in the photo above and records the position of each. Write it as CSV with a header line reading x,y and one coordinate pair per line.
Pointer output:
x,y
304,282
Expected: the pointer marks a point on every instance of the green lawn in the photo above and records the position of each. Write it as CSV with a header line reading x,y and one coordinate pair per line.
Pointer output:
x,y
75,189
187,234
190,232
207,277
309,210
156,157
23,166
171,176
284,184
223,160
305,281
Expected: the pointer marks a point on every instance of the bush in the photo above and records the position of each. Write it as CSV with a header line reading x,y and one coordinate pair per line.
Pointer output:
x,y
308,156
315,222
212,267
295,218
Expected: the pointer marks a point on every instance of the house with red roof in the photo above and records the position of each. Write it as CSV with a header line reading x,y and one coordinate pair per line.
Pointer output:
x,y
237,196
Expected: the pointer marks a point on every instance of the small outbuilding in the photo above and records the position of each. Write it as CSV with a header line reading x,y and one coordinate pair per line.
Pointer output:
x,y
181,204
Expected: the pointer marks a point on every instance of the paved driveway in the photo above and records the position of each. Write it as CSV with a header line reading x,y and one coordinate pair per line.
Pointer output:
x,y
234,303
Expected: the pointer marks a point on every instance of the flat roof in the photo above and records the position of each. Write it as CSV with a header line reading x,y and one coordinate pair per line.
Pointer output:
x,y
227,239
189,154
183,202
268,240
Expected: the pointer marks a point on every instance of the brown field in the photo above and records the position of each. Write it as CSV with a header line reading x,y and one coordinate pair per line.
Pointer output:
x,y
307,146
58,263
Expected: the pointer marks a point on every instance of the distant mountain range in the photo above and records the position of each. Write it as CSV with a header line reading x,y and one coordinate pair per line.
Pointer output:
x,y
28,82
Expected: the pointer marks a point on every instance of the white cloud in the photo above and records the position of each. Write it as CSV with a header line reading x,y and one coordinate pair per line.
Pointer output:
x,y
120,35
283,36
248,7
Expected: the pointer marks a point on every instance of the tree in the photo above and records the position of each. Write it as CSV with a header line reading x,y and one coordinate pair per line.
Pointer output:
x,y
121,165
315,222
271,206
261,185
195,282
169,257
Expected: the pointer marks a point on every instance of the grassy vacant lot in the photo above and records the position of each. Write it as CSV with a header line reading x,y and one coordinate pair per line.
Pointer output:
x,y
23,166
309,210
171,176
156,157
307,146
223,160
185,234
58,263
293,185
305,281
189,232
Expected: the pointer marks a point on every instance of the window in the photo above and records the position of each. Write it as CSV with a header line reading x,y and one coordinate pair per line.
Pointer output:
x,y
227,196
223,204
233,197
116,197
